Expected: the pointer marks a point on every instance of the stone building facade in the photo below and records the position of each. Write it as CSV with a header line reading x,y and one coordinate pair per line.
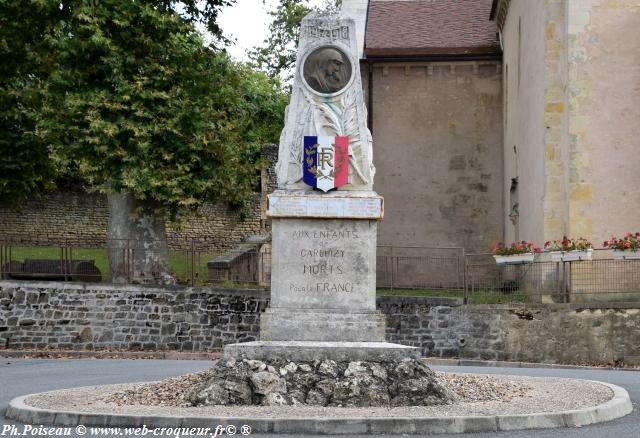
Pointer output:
x,y
504,119
435,103
571,110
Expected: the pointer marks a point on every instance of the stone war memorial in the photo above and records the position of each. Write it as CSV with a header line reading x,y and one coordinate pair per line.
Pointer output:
x,y
324,224
324,213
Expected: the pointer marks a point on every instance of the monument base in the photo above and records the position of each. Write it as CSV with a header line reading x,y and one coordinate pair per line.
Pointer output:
x,y
333,325
316,350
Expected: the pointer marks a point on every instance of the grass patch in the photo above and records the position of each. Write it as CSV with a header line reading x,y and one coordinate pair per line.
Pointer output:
x,y
99,256
180,262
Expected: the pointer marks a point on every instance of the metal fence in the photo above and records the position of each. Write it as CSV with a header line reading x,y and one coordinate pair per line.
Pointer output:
x,y
413,267
418,271
602,279
115,260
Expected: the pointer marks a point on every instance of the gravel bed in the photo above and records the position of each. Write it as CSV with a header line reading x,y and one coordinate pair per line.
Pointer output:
x,y
478,394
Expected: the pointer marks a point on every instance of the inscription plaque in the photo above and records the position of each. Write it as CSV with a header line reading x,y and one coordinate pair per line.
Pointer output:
x,y
323,264
326,207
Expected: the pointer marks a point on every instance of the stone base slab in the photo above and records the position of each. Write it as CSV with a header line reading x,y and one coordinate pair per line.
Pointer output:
x,y
314,350
281,324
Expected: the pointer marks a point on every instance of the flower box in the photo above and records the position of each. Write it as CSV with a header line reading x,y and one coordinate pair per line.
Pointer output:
x,y
516,259
571,256
626,255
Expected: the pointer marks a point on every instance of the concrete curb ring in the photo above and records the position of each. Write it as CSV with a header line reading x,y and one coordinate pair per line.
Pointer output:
x,y
619,406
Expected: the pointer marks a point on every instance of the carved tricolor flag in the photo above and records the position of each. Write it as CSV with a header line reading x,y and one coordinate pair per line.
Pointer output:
x,y
326,162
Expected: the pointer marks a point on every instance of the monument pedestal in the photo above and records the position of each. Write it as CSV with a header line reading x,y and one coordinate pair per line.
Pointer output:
x,y
323,281
309,351
322,338
331,325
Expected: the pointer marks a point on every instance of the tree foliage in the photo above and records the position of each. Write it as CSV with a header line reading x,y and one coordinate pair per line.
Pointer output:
x,y
25,167
197,11
277,55
136,103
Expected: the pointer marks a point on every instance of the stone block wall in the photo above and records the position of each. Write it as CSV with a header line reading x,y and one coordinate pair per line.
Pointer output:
x,y
93,317
420,322
80,218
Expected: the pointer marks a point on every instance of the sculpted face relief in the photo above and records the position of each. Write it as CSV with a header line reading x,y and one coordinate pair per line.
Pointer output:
x,y
327,70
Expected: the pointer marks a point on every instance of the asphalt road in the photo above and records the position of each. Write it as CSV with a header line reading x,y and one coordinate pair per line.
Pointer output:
x,y
19,377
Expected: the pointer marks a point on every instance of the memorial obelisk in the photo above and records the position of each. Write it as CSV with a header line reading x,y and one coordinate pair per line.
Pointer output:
x,y
324,214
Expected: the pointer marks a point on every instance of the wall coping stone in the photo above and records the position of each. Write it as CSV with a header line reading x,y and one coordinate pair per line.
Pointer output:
x,y
556,306
132,288
431,301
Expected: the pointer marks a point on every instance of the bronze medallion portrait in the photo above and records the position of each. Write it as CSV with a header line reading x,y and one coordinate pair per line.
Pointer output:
x,y
327,70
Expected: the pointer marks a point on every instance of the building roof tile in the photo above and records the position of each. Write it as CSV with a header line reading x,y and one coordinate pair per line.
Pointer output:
x,y
409,28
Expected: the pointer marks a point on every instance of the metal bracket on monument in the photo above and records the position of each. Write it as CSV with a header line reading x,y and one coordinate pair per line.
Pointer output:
x,y
338,206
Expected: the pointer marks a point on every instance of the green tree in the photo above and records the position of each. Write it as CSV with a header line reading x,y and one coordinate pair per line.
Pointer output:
x,y
277,55
153,118
25,167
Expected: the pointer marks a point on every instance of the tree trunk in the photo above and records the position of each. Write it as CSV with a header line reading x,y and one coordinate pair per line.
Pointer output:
x,y
137,243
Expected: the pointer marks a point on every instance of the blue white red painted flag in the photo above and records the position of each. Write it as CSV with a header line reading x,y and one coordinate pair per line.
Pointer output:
x,y
325,162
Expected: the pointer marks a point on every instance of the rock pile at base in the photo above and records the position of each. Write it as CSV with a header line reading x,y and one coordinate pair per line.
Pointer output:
x,y
322,383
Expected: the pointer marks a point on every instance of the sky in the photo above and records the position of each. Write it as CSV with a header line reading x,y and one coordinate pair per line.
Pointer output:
x,y
247,21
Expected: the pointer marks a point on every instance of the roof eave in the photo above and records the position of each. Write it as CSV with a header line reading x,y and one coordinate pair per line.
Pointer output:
x,y
499,10
435,57
493,50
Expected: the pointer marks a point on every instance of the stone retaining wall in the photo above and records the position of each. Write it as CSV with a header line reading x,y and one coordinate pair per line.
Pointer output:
x,y
80,218
89,316
94,317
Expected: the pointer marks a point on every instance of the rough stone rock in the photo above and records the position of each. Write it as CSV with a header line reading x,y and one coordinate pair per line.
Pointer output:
x,y
378,371
239,392
354,369
254,364
264,383
213,394
322,383
316,398
274,399
326,386
328,368
289,368
296,397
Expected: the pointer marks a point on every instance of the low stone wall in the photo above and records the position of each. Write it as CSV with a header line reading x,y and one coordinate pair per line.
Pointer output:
x,y
95,316
92,317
